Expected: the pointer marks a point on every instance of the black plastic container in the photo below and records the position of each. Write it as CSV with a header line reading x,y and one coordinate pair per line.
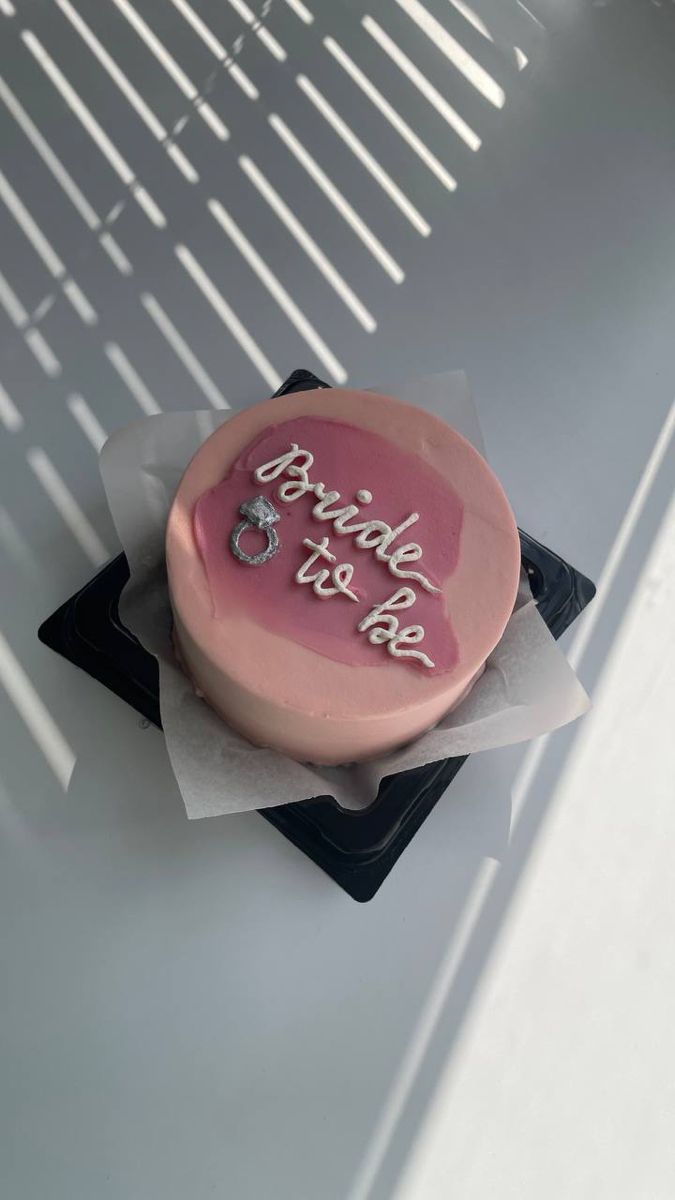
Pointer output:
x,y
356,848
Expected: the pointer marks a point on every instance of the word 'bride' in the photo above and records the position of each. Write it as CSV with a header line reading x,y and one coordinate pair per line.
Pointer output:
x,y
370,535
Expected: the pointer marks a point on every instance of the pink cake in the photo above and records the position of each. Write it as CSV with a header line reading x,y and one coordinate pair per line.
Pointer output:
x,y
340,566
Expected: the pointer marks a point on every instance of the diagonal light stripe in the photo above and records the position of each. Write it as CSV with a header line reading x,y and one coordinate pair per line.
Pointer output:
x,y
35,715
243,10
242,80
374,168
626,530
77,106
89,122
278,291
63,177
265,36
420,81
181,161
183,352
88,421
530,14
31,229
301,11
473,18
228,317
33,338
216,47
201,29
46,252
114,71
151,210
79,301
66,505
166,60
454,52
158,49
9,413
417,1049
50,159
143,110
43,353
129,375
11,304
332,193
212,120
393,117
312,250
17,547
270,43
116,254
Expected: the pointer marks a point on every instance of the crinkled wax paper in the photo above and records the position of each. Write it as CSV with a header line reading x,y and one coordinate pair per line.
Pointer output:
x,y
527,688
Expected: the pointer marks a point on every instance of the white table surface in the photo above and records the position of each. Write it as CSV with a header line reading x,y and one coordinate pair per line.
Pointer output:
x,y
193,1009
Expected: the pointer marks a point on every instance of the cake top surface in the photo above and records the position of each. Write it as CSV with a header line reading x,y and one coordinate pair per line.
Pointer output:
x,y
342,551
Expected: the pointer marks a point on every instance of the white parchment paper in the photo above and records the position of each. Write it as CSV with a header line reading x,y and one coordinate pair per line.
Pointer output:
x,y
527,689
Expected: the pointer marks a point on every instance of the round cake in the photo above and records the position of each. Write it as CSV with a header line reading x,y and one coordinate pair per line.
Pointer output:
x,y
340,566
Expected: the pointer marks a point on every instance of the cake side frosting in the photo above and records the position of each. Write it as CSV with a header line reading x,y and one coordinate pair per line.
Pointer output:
x,y
281,648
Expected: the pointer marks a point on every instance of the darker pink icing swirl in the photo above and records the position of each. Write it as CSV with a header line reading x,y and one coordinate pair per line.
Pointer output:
x,y
346,460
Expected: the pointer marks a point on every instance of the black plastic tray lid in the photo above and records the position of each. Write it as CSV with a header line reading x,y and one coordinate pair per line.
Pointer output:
x,y
356,848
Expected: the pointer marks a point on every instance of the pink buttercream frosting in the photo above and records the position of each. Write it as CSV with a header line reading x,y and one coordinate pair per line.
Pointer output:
x,y
347,460
288,669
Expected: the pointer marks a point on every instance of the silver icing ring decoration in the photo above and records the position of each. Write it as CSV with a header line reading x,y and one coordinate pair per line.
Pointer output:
x,y
259,513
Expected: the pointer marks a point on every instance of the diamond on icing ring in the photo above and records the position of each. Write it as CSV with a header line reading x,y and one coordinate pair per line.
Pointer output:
x,y
259,513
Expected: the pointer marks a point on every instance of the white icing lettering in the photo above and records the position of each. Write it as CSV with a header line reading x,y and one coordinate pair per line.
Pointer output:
x,y
325,498
276,466
378,536
381,626
339,515
404,597
411,552
287,463
340,575
384,628
349,511
393,533
384,535
294,489
365,540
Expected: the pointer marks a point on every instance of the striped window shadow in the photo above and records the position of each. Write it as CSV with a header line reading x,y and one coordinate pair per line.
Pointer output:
x,y
285,227
35,715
